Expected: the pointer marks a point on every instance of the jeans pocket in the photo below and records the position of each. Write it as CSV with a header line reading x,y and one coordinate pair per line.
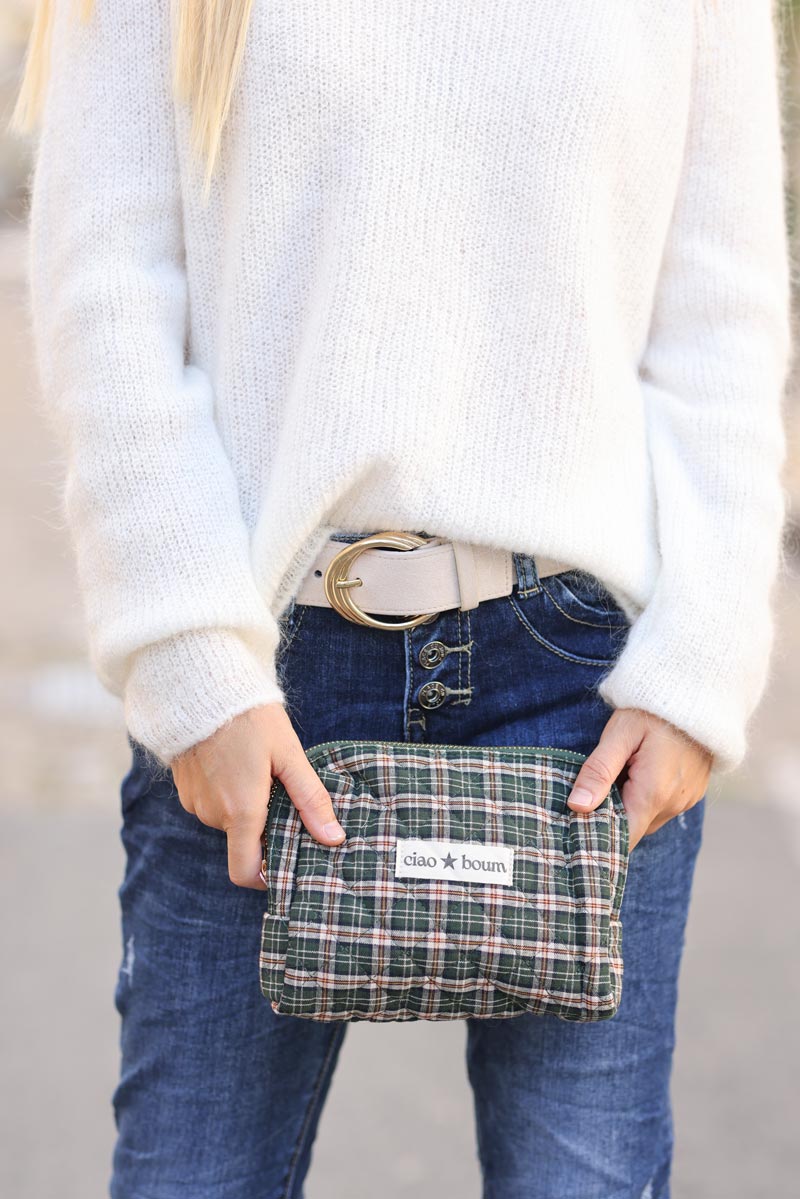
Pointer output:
x,y
573,617
582,597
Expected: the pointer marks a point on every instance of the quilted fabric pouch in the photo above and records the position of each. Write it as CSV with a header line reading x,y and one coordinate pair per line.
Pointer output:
x,y
465,887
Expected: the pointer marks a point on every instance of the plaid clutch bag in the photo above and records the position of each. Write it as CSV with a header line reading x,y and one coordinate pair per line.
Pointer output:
x,y
465,887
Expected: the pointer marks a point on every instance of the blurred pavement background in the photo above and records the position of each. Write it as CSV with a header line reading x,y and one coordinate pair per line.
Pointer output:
x,y
63,753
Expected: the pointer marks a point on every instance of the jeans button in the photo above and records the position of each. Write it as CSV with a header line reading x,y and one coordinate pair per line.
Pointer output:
x,y
432,695
432,654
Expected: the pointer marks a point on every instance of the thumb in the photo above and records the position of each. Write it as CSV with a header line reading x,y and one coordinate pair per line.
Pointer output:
x,y
309,796
598,773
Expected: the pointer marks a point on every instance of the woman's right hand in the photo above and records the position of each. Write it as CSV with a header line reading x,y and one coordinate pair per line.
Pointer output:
x,y
225,782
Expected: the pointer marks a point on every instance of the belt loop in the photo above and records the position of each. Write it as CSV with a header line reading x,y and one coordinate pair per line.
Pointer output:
x,y
527,574
467,574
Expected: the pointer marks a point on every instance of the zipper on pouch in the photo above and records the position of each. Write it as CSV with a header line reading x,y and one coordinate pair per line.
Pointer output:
x,y
568,755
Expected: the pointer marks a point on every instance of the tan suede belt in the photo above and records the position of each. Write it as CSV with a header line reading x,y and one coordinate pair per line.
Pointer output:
x,y
432,575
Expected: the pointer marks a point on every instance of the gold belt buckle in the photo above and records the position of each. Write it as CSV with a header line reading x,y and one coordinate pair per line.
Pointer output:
x,y
338,586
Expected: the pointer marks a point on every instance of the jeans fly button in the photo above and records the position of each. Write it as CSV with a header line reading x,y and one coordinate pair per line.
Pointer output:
x,y
432,654
432,695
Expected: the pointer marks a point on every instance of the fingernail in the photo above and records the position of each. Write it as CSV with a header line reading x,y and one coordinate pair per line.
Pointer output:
x,y
581,797
333,830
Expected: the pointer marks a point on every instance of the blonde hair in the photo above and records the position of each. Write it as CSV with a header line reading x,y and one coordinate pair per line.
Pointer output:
x,y
209,42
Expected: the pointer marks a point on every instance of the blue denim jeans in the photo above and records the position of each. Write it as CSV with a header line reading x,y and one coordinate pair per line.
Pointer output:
x,y
219,1097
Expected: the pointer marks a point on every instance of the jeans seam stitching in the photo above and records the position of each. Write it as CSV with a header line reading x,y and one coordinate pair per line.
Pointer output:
x,y
577,620
460,640
409,691
469,655
553,649
295,624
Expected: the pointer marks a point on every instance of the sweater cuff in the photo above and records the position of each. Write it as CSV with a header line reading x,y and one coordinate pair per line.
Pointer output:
x,y
679,670
183,688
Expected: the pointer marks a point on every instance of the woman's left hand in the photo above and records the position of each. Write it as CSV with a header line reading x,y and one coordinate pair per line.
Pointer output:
x,y
667,772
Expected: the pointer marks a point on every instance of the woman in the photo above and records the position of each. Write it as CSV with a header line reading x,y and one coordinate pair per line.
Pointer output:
x,y
512,283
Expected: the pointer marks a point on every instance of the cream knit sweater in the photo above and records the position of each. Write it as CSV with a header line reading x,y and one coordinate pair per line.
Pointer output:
x,y
479,268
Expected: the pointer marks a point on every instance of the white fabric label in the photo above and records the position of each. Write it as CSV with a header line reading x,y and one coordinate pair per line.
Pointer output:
x,y
465,861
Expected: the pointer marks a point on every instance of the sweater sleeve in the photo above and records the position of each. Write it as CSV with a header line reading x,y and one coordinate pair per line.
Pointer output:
x,y
713,378
176,625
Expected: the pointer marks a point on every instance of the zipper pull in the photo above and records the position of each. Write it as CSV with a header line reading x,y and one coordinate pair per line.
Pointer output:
x,y
262,874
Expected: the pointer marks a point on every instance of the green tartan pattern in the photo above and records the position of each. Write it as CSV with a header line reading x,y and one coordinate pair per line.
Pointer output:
x,y
344,939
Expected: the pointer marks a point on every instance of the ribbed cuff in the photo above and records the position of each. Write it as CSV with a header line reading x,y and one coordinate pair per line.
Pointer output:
x,y
689,677
183,688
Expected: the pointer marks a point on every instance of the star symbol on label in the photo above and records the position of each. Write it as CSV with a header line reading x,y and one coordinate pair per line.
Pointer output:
x,y
450,861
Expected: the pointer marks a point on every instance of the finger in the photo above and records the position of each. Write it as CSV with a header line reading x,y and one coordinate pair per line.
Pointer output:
x,y
638,825
245,850
644,798
185,794
310,797
619,739
661,819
